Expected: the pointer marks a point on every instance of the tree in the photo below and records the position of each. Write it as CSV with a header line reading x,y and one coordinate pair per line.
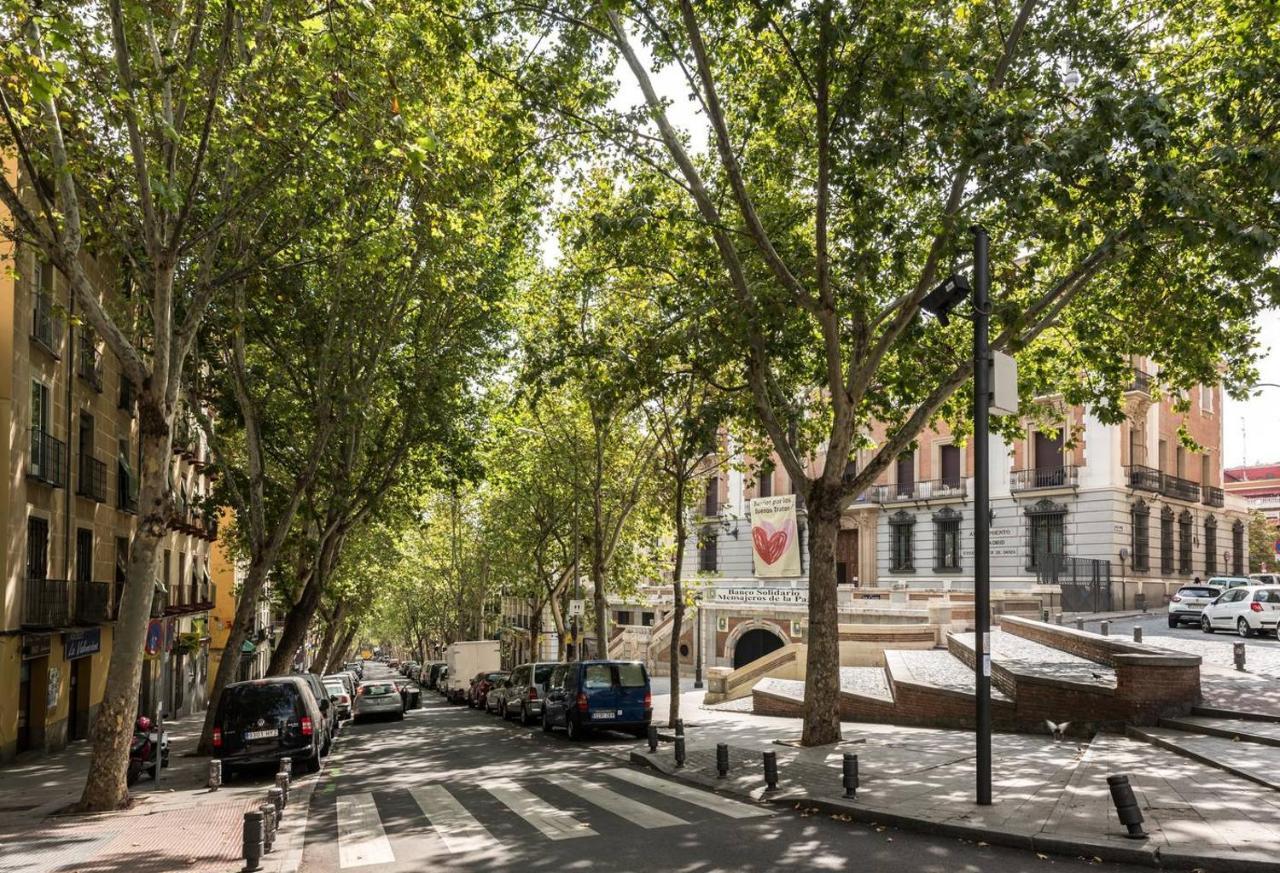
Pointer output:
x,y
1263,536
1127,150
146,138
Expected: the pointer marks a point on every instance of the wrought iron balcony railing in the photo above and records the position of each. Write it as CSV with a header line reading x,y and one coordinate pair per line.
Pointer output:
x,y
1065,476
46,603
48,462
1144,478
93,602
1211,496
93,479
1182,489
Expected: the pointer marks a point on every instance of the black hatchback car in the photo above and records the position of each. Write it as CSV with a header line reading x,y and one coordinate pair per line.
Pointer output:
x,y
264,720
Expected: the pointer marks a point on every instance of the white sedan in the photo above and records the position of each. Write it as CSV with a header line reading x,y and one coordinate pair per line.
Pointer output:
x,y
1248,610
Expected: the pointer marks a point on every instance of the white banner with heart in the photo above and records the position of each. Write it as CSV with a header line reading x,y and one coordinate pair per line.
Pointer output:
x,y
775,545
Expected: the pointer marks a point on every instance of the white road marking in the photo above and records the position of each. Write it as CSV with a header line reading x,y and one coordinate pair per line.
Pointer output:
x,y
361,839
632,810
555,824
456,827
722,805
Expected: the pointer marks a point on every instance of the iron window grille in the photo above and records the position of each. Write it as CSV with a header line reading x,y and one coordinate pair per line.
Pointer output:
x,y
1141,519
946,540
1047,532
1184,543
901,532
1166,540
1210,546
1237,549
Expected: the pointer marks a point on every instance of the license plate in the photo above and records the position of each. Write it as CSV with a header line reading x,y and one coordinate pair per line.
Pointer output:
x,y
605,714
259,735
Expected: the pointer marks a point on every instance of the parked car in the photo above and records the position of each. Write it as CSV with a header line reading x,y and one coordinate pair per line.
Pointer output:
x,y
434,674
356,667
264,720
442,681
378,697
328,716
339,691
1189,602
494,696
480,687
1264,578
1250,610
393,663
525,690
410,693
1225,582
347,679
586,695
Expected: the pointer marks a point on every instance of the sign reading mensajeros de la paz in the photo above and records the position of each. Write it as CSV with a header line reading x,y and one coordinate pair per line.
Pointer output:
x,y
749,595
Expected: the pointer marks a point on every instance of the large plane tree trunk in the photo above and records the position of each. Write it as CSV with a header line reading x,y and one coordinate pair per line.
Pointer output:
x,y
822,667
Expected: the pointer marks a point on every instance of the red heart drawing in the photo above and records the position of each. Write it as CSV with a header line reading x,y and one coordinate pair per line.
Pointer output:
x,y
769,546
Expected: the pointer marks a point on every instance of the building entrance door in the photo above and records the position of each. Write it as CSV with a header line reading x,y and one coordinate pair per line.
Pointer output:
x,y
755,643
75,722
24,707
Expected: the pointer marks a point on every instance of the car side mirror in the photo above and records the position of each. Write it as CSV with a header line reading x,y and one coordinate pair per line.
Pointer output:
x,y
324,704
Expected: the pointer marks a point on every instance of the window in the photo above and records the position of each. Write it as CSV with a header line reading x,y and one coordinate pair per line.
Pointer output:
x,y
597,676
168,559
707,551
122,568
86,436
1162,454
1184,542
946,540
84,555
901,529
127,394
1048,451
1047,540
949,463
1166,540
766,479
1210,546
623,617
182,578
646,619
1206,398
45,326
711,506
37,547
42,463
1237,548
906,470
1140,517
1206,467
1180,460
632,676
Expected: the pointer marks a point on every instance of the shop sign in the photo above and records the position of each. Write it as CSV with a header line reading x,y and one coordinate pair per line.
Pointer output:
x,y
36,646
82,643
749,596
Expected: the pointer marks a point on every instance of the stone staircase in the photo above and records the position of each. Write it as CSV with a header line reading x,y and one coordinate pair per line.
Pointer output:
x,y
1039,671
1245,747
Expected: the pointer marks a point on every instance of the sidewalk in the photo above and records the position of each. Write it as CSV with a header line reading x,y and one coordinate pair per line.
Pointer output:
x,y
175,824
1049,797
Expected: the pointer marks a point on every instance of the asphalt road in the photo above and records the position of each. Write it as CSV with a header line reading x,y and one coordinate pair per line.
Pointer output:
x,y
1156,623
453,789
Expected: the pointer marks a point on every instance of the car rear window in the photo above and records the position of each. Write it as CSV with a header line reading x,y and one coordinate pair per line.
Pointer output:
x,y
598,676
335,688
496,677
631,675
1268,596
378,690
245,704
543,673
1198,592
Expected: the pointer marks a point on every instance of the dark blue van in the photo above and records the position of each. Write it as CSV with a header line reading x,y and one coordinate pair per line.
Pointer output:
x,y
612,695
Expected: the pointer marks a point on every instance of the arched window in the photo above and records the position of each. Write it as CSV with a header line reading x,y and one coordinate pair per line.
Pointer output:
x,y
1210,546
1166,540
1184,542
902,526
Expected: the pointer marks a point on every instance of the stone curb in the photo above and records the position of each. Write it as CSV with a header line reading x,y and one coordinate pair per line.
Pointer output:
x,y
1108,850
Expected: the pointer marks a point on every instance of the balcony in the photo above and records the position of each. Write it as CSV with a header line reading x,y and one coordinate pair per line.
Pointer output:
x,y
1211,496
1141,383
1144,478
47,603
927,489
93,479
93,603
1065,476
1182,489
46,328
89,365
48,462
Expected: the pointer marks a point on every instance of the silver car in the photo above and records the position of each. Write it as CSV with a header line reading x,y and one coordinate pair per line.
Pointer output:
x,y
378,697
525,690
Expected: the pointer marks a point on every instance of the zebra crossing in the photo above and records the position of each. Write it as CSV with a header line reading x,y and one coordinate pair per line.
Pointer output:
x,y
363,841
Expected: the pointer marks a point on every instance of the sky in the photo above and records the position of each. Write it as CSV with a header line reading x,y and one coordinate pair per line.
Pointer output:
x,y
1250,429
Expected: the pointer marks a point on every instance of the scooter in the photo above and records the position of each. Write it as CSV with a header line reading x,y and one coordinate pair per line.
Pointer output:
x,y
148,751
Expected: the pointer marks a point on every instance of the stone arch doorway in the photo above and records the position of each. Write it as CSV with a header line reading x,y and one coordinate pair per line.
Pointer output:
x,y
755,643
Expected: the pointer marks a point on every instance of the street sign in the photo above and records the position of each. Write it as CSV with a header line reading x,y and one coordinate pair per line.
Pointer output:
x,y
576,607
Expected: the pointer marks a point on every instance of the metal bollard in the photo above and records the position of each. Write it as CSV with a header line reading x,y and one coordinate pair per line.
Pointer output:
x,y
850,775
679,727
1044,615
1237,651
276,798
286,766
653,738
252,834
268,827
1106,628
1126,806
1137,634
722,760
1079,624
215,774
770,771
680,751
282,782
